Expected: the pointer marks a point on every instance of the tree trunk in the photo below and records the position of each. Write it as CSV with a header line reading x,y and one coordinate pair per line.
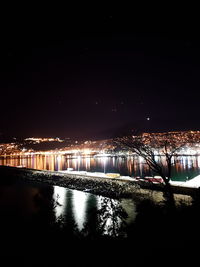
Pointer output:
x,y
169,195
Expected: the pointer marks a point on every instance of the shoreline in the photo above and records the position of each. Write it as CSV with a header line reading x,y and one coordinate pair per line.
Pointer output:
x,y
99,186
107,187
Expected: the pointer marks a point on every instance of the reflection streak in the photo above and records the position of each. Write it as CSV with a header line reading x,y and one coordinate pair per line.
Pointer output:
x,y
79,207
184,165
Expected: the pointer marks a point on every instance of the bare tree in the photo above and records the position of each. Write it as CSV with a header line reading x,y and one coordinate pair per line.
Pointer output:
x,y
150,146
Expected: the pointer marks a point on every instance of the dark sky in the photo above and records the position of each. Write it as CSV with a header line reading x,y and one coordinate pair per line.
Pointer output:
x,y
93,76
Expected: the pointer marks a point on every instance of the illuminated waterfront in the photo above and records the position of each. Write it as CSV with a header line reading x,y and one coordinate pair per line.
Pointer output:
x,y
185,167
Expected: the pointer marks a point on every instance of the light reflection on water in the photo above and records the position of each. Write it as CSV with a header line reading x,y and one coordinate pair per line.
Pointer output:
x,y
76,201
72,204
26,205
184,167
77,206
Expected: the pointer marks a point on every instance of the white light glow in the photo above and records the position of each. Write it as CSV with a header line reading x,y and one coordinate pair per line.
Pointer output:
x,y
79,207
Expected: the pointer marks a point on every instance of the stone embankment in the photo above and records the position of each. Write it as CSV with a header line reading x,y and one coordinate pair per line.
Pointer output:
x,y
113,188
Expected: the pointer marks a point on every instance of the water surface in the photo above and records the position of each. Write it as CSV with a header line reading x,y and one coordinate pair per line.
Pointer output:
x,y
185,167
50,224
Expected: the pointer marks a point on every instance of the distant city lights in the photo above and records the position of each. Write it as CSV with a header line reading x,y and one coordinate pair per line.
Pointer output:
x,y
88,148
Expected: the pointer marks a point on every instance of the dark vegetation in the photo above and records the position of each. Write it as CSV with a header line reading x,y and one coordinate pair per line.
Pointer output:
x,y
158,236
41,240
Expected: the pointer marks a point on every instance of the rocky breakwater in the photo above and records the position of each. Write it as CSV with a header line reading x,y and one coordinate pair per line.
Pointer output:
x,y
97,185
117,187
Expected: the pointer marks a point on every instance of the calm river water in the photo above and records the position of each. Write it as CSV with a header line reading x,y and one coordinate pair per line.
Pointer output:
x,y
71,207
185,167
39,221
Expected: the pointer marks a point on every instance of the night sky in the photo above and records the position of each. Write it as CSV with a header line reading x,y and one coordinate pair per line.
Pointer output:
x,y
93,77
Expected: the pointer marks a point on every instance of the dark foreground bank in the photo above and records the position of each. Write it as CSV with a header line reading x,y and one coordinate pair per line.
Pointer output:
x,y
158,237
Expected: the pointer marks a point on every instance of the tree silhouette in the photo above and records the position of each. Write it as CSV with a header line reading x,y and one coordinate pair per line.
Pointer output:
x,y
154,145
111,217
